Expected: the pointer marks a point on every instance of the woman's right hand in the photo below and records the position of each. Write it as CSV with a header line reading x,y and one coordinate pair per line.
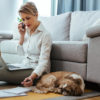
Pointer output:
x,y
21,30
27,82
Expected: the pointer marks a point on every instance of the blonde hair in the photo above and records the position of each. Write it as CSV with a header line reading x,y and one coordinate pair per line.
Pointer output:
x,y
28,8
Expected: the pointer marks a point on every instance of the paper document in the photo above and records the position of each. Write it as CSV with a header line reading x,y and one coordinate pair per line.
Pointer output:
x,y
18,90
4,94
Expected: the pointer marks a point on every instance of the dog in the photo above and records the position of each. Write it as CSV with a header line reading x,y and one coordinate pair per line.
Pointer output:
x,y
62,82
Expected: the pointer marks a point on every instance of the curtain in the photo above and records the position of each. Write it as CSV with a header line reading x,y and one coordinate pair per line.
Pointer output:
x,y
77,5
53,7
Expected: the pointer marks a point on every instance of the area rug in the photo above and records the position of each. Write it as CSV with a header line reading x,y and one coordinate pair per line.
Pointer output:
x,y
84,96
50,96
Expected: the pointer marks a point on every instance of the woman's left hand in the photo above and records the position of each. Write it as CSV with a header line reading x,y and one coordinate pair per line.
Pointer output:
x,y
27,82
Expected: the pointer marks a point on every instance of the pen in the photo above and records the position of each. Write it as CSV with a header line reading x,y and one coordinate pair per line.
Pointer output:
x,y
28,80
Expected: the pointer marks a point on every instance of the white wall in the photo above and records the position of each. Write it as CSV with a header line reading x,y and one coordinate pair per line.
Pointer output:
x,y
8,14
43,6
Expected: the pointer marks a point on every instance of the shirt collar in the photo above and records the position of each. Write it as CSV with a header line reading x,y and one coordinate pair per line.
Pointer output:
x,y
40,28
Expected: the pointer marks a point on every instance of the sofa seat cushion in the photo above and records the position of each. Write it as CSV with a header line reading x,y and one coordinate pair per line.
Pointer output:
x,y
9,46
73,51
80,68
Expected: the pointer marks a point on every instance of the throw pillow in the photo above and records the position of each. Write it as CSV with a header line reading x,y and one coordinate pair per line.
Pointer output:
x,y
97,22
58,26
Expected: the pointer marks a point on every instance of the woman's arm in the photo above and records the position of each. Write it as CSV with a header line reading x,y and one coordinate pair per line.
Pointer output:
x,y
22,31
43,61
21,40
44,57
33,76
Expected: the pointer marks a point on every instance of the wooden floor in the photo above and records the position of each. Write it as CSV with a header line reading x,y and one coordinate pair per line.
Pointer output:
x,y
36,96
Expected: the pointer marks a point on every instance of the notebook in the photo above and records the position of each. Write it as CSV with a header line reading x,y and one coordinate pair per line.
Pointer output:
x,y
12,67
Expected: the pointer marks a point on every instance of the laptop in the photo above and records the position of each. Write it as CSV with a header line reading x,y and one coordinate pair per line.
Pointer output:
x,y
13,67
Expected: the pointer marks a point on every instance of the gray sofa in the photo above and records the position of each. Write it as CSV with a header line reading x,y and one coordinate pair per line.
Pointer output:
x,y
69,51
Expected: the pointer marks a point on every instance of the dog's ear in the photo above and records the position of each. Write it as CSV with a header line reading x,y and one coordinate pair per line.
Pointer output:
x,y
78,91
78,81
74,90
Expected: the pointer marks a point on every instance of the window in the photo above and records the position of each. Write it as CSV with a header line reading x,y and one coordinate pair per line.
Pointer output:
x,y
43,6
8,14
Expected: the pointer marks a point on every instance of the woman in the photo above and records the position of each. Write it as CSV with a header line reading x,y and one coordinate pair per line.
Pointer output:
x,y
34,43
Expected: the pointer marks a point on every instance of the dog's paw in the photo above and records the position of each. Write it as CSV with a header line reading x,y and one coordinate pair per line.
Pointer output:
x,y
57,90
36,90
39,91
65,93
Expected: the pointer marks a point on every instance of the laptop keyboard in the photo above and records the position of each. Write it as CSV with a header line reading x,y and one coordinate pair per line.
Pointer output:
x,y
12,67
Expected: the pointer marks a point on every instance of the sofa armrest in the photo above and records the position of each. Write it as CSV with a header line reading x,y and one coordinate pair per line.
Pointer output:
x,y
6,36
9,46
93,31
93,65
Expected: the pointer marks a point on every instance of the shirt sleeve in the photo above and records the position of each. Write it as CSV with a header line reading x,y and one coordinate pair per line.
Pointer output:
x,y
20,50
44,57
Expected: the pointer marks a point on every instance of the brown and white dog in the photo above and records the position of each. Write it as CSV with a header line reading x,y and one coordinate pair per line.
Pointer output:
x,y
66,83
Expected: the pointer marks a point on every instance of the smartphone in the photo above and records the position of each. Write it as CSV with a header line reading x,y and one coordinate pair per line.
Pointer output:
x,y
23,25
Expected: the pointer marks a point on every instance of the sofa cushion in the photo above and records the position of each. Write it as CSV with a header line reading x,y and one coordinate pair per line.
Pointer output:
x,y
80,22
73,51
6,36
9,46
58,26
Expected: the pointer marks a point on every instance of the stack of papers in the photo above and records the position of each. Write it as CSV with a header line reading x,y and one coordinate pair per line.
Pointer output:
x,y
18,91
4,94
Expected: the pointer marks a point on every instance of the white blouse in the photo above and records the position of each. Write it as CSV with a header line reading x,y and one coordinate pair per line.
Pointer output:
x,y
36,50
